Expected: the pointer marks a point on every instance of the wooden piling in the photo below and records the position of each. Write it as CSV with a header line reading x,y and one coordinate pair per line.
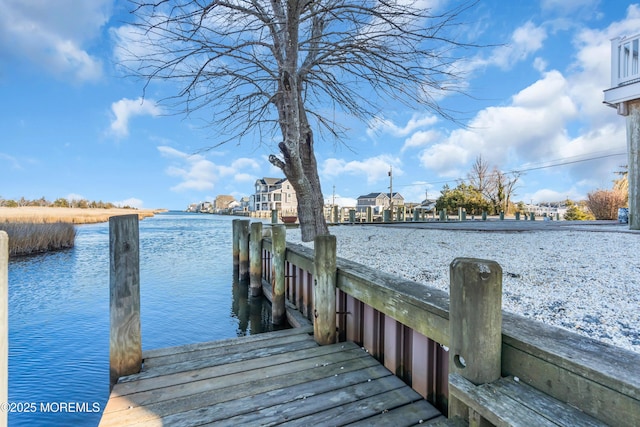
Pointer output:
x,y
243,248
369,214
278,245
274,216
4,325
255,259
125,347
324,290
235,230
352,216
475,325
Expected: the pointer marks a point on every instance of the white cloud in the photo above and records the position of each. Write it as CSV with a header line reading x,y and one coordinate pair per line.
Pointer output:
x,y
374,168
132,202
197,173
52,35
420,139
343,202
533,126
383,125
124,109
525,41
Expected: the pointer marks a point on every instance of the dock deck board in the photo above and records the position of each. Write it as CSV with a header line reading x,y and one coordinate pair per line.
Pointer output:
x,y
280,377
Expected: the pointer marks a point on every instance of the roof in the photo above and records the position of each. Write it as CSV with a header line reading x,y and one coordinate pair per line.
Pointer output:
x,y
374,195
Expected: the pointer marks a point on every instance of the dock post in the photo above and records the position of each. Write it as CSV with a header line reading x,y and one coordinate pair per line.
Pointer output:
x,y
235,227
4,324
352,216
324,290
255,259
125,345
243,248
475,326
274,216
279,246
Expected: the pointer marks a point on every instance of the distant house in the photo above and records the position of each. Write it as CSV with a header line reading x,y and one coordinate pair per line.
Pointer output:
x,y
378,201
274,193
222,202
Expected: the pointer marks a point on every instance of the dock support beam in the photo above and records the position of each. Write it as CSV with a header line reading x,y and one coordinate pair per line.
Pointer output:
x,y
279,246
255,259
243,248
633,161
125,346
235,240
475,326
4,324
324,290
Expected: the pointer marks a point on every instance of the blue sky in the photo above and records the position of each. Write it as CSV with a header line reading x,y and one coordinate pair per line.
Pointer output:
x,y
73,125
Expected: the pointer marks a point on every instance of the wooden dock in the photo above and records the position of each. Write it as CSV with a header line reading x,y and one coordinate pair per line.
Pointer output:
x,y
281,377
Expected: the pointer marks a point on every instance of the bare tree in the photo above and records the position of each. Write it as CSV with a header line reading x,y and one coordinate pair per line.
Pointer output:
x,y
274,66
495,186
479,176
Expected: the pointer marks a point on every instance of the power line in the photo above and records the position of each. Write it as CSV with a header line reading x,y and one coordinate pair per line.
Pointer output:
x,y
523,169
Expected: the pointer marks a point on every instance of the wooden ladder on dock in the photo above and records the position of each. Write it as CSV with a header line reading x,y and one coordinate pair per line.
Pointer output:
x,y
280,377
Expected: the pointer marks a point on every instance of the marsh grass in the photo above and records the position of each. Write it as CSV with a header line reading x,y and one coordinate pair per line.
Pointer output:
x,y
31,238
34,230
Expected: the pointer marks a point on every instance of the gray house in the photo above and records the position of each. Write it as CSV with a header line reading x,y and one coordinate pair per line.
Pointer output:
x,y
378,201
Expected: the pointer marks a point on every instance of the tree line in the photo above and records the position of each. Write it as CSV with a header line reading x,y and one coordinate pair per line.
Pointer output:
x,y
59,203
487,189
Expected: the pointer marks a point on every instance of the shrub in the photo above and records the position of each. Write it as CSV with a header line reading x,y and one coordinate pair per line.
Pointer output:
x,y
604,204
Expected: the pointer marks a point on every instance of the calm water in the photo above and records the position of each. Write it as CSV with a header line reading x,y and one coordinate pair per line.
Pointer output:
x,y
59,311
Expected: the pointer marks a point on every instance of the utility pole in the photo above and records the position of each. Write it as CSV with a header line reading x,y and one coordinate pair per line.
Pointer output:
x,y
391,193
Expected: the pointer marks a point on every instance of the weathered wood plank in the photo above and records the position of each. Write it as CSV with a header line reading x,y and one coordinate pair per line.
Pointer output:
x,y
543,404
219,351
606,364
229,342
316,406
125,342
324,290
407,415
361,406
500,412
443,421
289,396
422,308
168,387
186,367
612,406
241,387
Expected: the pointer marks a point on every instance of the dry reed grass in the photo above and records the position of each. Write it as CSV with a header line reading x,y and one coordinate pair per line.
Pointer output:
x,y
47,215
40,229
29,238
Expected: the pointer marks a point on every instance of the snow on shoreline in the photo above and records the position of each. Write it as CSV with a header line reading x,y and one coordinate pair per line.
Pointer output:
x,y
585,282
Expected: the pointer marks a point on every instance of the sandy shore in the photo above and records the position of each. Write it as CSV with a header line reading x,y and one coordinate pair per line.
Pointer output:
x,y
70,215
585,279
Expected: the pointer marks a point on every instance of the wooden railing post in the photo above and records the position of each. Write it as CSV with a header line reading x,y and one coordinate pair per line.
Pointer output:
x,y
125,347
243,249
278,245
324,290
255,259
475,325
4,325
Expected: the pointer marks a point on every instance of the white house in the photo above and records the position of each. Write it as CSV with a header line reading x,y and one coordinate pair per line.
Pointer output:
x,y
274,193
